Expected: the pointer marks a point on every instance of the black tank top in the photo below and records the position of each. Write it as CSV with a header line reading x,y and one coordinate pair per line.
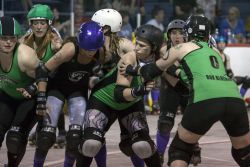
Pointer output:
x,y
72,76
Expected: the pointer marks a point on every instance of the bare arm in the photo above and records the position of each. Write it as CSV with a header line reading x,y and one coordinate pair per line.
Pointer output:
x,y
27,60
63,55
126,80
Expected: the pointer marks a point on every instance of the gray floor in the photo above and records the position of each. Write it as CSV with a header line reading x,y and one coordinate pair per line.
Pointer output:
x,y
215,149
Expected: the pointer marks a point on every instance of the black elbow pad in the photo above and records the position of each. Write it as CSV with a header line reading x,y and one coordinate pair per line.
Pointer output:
x,y
42,73
118,94
150,71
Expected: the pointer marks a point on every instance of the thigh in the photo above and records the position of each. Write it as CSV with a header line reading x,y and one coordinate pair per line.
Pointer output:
x,y
134,118
235,119
199,117
25,115
55,102
98,115
169,102
76,108
6,117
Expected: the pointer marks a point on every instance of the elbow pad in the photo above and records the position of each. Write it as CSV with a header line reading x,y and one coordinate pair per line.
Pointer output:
x,y
150,71
42,73
172,71
118,94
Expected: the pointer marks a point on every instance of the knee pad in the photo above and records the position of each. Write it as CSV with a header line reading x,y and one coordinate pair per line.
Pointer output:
x,y
15,140
242,156
165,125
73,137
125,146
180,150
92,142
142,145
46,138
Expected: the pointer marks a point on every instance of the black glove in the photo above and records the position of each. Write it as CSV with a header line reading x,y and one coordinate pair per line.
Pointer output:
x,y
132,70
230,73
139,91
31,89
246,83
41,102
172,70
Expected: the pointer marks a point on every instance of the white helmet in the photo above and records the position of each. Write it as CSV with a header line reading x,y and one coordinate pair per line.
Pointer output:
x,y
109,17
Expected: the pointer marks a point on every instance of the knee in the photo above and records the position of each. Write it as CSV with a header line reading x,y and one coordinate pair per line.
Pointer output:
x,y
73,137
46,138
92,142
242,156
142,145
15,140
165,125
180,150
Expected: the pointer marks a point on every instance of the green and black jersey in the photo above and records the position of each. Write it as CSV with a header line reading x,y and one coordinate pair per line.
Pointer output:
x,y
104,90
14,78
205,73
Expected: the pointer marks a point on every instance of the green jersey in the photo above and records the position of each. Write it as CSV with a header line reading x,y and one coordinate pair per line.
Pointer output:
x,y
48,54
14,78
104,90
204,72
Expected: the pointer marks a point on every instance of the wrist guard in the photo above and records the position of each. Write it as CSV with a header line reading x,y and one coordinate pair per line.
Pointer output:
x,y
31,89
139,91
41,100
172,70
132,70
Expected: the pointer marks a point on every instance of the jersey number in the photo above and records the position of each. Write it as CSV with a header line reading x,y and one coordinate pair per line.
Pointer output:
x,y
214,62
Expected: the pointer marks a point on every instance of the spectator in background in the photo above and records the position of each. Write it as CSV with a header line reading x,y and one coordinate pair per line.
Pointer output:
x,y
133,7
208,7
247,28
126,29
233,24
158,15
27,4
62,27
183,9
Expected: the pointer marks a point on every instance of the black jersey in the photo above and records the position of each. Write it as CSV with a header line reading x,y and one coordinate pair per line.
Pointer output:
x,y
72,76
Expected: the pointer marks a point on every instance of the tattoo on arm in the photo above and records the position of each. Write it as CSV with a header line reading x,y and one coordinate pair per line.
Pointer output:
x,y
178,47
57,56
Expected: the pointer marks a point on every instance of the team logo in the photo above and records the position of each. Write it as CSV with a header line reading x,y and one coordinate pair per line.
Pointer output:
x,y
77,75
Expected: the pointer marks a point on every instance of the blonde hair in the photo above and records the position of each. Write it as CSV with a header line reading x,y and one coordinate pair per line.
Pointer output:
x,y
29,40
235,10
114,42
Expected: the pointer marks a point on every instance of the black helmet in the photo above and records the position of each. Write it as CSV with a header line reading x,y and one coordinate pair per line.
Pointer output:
x,y
175,24
152,34
197,27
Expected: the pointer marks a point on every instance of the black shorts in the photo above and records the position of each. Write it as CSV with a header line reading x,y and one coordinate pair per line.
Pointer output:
x,y
199,117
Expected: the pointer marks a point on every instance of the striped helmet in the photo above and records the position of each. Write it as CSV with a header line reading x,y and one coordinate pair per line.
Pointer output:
x,y
9,26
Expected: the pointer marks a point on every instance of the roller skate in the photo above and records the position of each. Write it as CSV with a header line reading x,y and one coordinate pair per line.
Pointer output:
x,y
32,139
196,157
60,141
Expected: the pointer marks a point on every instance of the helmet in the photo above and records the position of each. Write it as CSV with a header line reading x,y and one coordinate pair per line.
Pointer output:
x,y
152,34
197,27
9,26
175,24
109,17
91,36
221,39
40,11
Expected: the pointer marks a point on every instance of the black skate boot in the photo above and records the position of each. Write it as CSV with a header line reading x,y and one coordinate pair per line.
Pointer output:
x,y
32,139
60,141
